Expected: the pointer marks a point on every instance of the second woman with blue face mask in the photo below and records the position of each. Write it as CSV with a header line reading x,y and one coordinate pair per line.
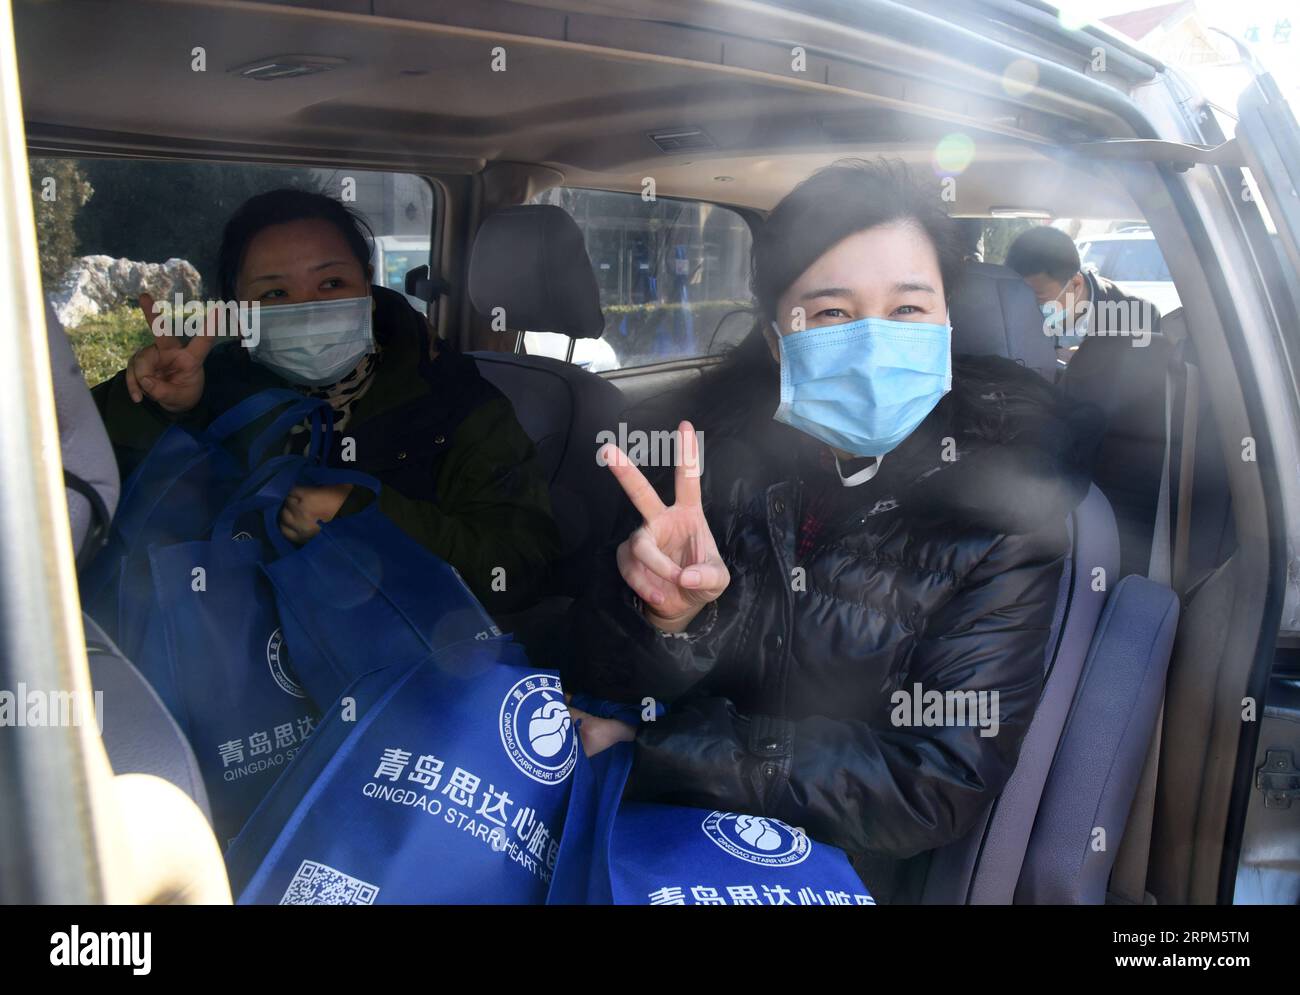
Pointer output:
x,y
459,474
875,515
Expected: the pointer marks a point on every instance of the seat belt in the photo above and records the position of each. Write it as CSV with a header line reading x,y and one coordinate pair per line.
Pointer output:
x,y
1129,875
1186,468
96,537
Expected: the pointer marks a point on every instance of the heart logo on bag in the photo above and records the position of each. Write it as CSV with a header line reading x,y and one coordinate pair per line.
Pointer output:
x,y
537,731
757,839
277,658
548,727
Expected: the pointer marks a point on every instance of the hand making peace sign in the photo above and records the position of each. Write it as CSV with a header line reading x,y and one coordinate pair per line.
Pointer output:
x,y
671,561
169,371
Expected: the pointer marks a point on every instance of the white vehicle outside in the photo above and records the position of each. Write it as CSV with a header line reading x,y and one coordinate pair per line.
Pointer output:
x,y
1133,261
593,355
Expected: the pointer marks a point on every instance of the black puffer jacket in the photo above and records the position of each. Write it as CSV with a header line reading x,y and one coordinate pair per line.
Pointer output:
x,y
938,572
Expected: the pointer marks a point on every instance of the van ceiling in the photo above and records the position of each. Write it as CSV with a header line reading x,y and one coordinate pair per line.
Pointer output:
x,y
586,85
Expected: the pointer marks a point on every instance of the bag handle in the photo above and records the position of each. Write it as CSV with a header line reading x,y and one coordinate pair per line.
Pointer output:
x,y
297,408
271,522
314,476
324,475
268,488
322,429
263,473
338,475
132,514
248,411
269,494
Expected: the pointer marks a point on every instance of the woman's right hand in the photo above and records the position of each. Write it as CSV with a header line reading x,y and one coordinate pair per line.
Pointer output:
x,y
598,734
168,370
671,561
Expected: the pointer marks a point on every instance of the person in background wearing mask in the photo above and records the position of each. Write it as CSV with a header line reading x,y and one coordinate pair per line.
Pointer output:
x,y
459,474
1076,303
874,520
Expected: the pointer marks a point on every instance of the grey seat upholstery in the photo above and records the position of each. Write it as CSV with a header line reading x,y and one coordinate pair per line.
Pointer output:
x,y
562,407
139,735
984,866
1083,753
993,312
1099,760
1128,384
531,261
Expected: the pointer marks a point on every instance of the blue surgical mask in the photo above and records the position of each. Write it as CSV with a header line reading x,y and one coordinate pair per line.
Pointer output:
x,y
1056,318
1053,318
316,343
864,386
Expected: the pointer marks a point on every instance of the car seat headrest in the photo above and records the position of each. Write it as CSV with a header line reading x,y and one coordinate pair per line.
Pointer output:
x,y
531,260
993,312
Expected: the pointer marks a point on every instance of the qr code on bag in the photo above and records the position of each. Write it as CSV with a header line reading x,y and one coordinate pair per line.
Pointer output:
x,y
320,884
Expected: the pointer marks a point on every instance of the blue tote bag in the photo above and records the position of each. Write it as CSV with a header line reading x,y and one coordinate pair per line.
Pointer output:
x,y
174,496
635,853
362,594
215,652
446,784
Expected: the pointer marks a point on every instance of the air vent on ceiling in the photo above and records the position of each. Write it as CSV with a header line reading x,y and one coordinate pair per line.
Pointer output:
x,y
682,140
279,67
880,126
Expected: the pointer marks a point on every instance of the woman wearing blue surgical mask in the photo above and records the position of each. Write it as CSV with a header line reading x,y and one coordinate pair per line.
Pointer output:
x,y
459,473
875,516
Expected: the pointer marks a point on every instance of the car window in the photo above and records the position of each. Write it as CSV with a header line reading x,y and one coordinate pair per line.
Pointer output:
x,y
1097,256
396,255
673,276
1136,260
396,266
109,229
1124,251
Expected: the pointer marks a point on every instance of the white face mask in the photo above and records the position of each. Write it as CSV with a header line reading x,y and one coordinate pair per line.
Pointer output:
x,y
316,343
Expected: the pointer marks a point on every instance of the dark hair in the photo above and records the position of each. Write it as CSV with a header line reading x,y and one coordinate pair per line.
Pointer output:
x,y
1044,250
276,207
848,196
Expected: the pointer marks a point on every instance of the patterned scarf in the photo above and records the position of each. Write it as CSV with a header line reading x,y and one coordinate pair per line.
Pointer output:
x,y
343,394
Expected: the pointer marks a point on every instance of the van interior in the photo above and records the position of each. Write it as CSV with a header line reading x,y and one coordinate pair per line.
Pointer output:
x,y
695,119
